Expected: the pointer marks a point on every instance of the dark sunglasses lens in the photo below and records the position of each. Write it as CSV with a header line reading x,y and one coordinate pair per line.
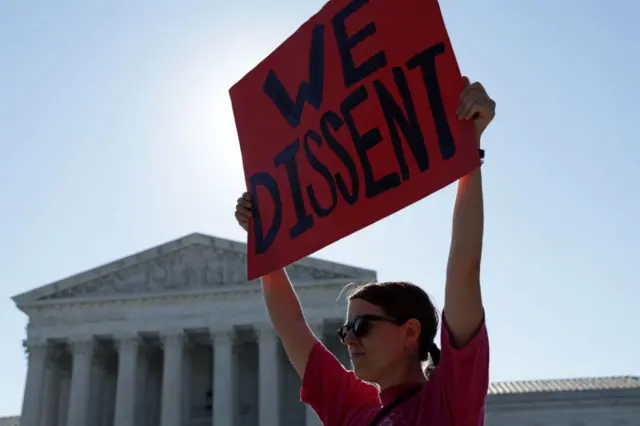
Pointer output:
x,y
361,327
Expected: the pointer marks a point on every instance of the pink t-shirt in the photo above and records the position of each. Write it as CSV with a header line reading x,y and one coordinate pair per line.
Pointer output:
x,y
454,395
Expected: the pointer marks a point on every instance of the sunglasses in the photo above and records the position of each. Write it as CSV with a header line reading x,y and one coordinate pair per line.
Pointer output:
x,y
361,325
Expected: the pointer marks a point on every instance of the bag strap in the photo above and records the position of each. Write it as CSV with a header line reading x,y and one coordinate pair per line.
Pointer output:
x,y
386,410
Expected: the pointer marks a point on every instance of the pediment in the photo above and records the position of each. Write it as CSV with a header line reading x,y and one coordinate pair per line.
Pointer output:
x,y
196,262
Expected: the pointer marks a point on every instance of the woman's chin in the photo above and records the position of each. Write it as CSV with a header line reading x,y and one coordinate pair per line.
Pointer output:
x,y
363,373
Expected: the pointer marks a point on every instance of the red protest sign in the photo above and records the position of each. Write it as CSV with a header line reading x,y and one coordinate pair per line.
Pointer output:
x,y
350,120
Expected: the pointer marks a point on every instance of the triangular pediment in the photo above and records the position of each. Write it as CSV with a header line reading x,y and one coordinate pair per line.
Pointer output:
x,y
196,262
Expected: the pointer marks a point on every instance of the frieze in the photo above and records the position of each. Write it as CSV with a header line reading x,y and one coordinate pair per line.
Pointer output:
x,y
196,267
98,311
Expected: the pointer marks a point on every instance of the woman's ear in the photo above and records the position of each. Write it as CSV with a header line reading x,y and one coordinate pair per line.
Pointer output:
x,y
412,332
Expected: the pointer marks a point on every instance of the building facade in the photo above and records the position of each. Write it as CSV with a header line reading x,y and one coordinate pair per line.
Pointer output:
x,y
597,401
176,335
172,336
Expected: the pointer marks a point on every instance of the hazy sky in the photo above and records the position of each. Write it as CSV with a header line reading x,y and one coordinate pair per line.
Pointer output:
x,y
116,134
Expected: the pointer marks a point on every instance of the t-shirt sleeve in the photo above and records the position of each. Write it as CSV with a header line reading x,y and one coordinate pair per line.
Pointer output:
x,y
335,393
465,376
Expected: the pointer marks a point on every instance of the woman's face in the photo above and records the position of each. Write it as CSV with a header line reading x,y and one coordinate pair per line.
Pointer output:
x,y
377,346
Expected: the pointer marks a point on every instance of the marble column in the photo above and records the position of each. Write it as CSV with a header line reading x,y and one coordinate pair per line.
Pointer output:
x,y
143,391
33,390
187,364
65,393
51,399
173,344
82,352
99,386
269,371
312,418
223,404
127,347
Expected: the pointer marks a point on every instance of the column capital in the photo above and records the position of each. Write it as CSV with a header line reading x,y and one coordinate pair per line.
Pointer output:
x,y
172,338
222,335
128,341
82,345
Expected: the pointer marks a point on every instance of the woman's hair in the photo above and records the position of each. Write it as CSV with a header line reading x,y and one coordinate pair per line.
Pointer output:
x,y
403,301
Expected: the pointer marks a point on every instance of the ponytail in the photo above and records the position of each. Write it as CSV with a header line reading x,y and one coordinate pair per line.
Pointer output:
x,y
434,360
434,354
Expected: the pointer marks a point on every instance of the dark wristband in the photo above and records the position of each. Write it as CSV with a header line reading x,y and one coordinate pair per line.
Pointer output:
x,y
481,151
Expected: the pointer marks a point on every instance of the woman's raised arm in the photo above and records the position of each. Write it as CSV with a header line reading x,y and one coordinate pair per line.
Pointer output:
x,y
282,304
463,309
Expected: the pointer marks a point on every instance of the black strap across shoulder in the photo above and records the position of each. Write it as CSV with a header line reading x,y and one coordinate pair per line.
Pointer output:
x,y
386,410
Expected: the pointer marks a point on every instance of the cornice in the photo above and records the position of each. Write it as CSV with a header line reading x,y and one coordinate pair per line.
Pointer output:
x,y
237,292
560,400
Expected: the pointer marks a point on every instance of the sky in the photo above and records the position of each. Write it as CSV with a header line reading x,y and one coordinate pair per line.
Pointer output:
x,y
116,135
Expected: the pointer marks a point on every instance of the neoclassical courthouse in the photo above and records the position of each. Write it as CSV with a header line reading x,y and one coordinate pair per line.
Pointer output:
x,y
176,336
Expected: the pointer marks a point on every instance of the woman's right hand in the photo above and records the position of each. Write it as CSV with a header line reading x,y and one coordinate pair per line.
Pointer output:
x,y
244,210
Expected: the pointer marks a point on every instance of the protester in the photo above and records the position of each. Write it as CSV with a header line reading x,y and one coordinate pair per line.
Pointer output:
x,y
391,327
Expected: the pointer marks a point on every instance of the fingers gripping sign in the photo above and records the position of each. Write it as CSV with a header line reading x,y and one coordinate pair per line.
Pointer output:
x,y
476,104
244,210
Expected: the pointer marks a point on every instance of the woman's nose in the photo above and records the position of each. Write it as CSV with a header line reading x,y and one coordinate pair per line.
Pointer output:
x,y
350,339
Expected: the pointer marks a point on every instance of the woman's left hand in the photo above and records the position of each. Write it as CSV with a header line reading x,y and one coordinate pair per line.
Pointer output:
x,y
476,104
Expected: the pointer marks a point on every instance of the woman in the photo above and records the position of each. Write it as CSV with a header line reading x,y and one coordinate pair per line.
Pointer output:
x,y
391,327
